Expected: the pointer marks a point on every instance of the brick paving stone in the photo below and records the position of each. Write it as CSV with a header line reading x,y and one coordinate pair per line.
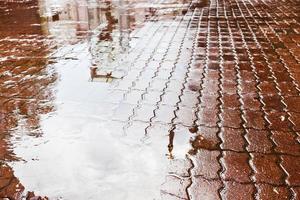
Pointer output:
x,y
295,120
286,142
237,167
233,139
292,166
296,191
238,191
271,192
259,141
254,119
231,118
267,169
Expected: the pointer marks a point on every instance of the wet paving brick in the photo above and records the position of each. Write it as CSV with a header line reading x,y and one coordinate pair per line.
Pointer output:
x,y
196,99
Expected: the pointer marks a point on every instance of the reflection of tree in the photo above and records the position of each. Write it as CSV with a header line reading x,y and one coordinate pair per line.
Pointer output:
x,y
25,83
111,23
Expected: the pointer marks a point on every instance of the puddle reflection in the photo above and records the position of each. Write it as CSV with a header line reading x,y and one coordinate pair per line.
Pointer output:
x,y
55,133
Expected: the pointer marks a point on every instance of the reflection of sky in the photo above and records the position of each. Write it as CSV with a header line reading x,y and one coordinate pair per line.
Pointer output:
x,y
79,150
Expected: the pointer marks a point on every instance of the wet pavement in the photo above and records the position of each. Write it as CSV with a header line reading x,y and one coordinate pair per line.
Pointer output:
x,y
162,99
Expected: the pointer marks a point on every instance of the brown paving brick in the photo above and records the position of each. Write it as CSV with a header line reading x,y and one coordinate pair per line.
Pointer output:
x,y
267,88
292,166
259,141
251,101
229,87
268,192
247,76
295,119
254,119
233,139
229,74
238,191
278,121
273,103
267,169
286,142
237,167
248,87
230,101
231,118
296,191
293,103
288,89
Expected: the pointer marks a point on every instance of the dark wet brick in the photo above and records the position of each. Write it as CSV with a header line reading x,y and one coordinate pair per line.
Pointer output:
x,y
288,89
267,169
292,166
266,192
233,191
286,142
254,119
293,103
251,101
259,141
233,139
231,118
278,121
296,191
237,166
272,102
230,101
267,88
229,87
247,87
295,119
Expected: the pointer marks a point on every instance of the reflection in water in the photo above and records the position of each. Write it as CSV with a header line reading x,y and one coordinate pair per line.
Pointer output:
x,y
25,85
57,131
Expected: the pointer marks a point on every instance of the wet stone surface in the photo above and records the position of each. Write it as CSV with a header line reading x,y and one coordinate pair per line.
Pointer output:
x,y
189,99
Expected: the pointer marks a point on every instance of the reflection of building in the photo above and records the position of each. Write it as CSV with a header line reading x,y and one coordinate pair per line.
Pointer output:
x,y
70,19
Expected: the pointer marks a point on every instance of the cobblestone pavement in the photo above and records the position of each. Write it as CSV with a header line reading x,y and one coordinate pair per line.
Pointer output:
x,y
191,99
